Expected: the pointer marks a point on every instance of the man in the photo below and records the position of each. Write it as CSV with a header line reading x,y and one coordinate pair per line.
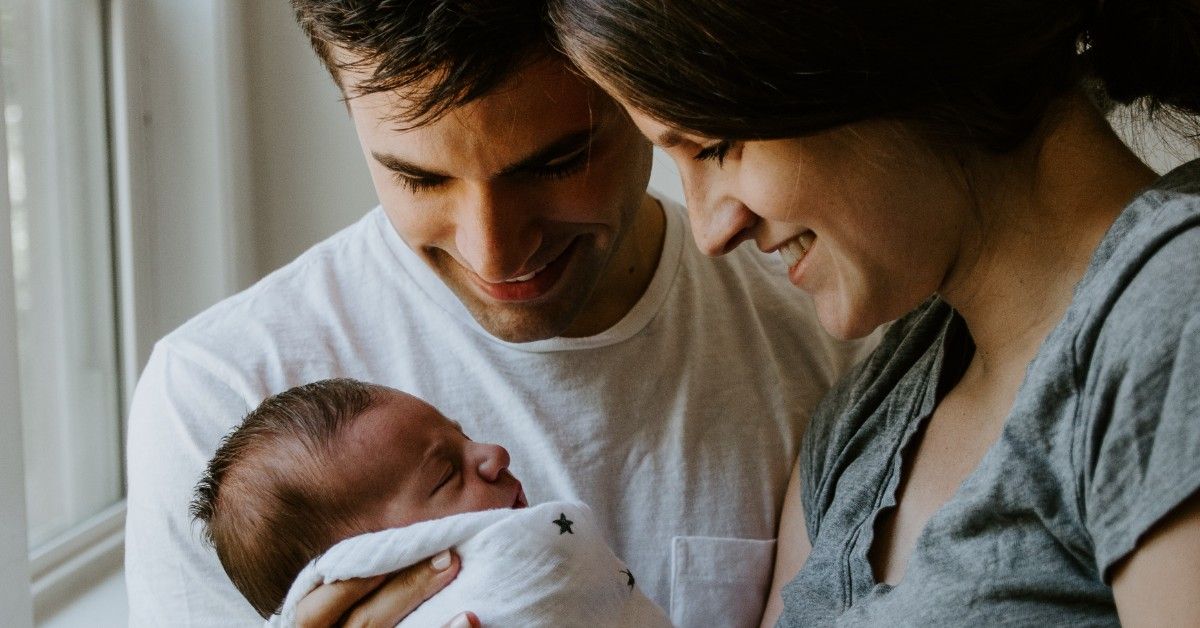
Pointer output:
x,y
517,277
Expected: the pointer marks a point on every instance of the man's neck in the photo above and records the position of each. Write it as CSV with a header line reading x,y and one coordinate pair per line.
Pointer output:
x,y
628,274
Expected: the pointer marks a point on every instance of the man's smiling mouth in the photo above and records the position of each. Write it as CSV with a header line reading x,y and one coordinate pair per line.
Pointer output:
x,y
531,285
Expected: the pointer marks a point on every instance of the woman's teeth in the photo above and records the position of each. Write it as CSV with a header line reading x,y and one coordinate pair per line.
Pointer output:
x,y
795,249
525,277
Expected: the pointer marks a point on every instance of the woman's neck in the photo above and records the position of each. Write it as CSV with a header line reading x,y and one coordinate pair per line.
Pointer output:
x,y
1042,212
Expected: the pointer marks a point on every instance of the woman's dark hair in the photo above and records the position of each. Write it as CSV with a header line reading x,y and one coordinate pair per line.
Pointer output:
x,y
441,53
985,71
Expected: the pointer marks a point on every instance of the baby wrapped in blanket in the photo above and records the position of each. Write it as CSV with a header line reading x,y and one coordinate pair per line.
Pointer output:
x,y
340,479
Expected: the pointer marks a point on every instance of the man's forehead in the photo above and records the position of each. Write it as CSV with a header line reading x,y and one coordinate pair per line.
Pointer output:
x,y
536,93
544,69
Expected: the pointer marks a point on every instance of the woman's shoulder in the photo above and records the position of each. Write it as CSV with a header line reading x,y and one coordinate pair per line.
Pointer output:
x,y
1139,355
1145,280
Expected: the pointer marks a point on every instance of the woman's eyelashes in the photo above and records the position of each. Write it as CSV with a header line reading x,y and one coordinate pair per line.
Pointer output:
x,y
716,151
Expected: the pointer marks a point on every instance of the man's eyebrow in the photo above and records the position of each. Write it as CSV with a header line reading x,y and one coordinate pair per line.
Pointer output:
x,y
407,168
563,146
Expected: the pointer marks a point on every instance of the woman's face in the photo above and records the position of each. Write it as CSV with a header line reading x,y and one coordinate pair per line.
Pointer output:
x,y
868,221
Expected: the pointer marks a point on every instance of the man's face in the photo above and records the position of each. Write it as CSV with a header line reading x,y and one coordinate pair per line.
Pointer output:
x,y
529,203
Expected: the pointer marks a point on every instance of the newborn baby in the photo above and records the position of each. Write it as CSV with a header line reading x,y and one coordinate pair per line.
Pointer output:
x,y
341,479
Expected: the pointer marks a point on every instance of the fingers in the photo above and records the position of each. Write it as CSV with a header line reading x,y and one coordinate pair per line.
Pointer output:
x,y
463,620
327,603
403,592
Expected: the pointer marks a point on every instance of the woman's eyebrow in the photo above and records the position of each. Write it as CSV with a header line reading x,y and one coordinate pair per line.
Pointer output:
x,y
669,139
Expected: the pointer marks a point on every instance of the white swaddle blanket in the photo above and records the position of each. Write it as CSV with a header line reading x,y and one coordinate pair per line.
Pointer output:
x,y
546,565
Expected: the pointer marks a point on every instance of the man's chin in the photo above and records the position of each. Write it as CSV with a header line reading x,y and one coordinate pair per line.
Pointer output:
x,y
548,316
519,325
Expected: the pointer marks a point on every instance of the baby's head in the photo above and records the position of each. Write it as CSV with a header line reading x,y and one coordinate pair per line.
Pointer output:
x,y
322,462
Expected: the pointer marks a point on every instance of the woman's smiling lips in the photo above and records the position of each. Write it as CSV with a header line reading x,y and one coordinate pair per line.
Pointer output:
x,y
519,501
794,251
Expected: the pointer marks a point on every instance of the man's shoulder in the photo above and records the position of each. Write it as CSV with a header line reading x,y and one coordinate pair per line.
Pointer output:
x,y
320,292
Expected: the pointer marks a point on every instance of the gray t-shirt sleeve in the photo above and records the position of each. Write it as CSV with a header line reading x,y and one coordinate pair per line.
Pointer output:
x,y
1141,429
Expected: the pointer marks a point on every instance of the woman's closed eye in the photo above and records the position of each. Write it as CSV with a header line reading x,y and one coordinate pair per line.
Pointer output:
x,y
716,151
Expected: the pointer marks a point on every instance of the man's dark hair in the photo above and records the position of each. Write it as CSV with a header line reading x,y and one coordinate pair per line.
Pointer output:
x,y
263,501
440,54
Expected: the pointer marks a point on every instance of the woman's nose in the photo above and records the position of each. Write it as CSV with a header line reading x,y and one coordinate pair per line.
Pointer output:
x,y
491,460
720,228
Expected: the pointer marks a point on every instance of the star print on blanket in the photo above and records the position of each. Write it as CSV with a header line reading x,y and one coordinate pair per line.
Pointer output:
x,y
564,524
546,565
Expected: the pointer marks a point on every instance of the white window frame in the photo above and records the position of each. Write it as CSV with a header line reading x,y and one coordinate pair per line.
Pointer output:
x,y
181,178
26,578
180,164
15,597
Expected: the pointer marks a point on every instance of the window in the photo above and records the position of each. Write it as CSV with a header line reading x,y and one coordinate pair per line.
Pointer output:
x,y
53,67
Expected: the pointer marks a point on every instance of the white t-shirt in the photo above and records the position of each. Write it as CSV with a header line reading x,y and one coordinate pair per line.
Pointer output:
x,y
678,426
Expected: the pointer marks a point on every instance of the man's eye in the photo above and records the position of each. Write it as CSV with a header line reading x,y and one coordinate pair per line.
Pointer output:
x,y
416,184
564,167
714,151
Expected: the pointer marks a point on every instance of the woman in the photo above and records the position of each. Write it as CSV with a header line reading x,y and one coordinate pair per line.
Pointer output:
x,y
1024,447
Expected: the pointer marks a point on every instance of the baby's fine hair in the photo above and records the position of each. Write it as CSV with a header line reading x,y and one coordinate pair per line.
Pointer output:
x,y
265,505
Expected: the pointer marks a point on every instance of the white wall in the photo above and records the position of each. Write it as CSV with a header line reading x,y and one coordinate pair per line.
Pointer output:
x,y
309,176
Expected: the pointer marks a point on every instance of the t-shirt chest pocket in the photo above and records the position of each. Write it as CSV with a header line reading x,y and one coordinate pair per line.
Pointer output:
x,y
717,582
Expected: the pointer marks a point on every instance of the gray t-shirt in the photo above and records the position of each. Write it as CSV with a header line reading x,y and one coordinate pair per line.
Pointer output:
x,y
1102,442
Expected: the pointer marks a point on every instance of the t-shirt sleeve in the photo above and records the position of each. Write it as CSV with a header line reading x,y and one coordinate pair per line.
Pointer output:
x,y
178,414
1143,437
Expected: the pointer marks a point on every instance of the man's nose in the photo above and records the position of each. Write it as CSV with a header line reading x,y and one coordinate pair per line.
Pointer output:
x,y
490,459
494,234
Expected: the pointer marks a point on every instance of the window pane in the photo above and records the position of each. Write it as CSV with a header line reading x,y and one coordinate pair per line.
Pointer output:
x,y
55,122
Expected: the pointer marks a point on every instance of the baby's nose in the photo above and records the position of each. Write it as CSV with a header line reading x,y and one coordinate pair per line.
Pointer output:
x,y
493,459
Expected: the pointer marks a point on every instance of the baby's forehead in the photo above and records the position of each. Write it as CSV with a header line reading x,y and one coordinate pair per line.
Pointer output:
x,y
401,405
401,421
394,435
